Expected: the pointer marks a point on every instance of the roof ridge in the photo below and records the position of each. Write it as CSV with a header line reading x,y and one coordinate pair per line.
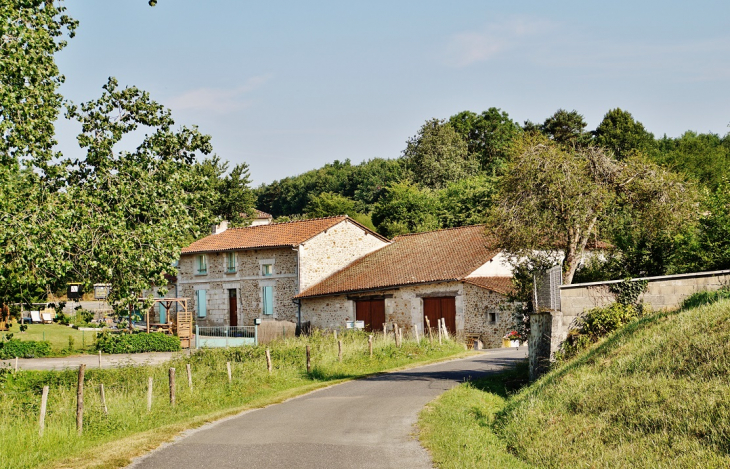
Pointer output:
x,y
287,222
440,229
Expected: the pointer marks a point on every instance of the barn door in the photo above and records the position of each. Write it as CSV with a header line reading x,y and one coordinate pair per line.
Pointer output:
x,y
440,308
372,312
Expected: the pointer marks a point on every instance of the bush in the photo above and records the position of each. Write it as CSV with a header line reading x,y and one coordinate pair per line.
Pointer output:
x,y
24,349
597,323
137,342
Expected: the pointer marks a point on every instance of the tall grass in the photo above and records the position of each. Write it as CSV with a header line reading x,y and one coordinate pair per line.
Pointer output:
x,y
126,391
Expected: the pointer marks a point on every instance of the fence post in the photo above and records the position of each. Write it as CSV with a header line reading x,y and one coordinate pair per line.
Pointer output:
x,y
100,359
400,337
309,362
172,386
190,376
16,364
268,360
339,351
415,329
197,334
228,368
44,401
226,336
103,399
370,345
430,333
385,330
80,400
439,328
335,333
149,394
256,334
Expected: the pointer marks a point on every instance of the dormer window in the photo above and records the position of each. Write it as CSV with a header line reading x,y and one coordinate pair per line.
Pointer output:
x,y
202,264
267,270
230,262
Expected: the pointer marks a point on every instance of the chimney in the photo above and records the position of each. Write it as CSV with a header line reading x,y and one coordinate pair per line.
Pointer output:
x,y
220,228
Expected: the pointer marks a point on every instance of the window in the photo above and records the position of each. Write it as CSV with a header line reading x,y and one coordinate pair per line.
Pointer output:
x,y
201,303
267,270
202,264
492,317
268,300
230,262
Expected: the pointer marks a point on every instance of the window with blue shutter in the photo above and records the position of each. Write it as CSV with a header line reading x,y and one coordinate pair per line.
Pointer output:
x,y
201,303
268,294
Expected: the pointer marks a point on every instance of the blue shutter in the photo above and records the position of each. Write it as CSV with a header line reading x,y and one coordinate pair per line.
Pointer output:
x,y
268,293
201,303
163,313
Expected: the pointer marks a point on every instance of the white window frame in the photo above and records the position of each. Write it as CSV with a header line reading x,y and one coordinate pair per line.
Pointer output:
x,y
229,269
198,263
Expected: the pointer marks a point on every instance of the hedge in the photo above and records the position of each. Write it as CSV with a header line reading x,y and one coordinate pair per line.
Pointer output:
x,y
137,342
24,349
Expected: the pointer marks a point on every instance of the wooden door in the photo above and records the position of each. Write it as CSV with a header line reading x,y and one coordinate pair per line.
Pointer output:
x,y
372,312
233,307
440,308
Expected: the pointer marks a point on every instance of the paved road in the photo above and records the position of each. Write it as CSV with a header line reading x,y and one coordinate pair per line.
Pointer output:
x,y
366,423
92,361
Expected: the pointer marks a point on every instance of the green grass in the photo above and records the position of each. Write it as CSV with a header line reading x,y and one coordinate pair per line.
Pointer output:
x,y
58,336
653,394
129,430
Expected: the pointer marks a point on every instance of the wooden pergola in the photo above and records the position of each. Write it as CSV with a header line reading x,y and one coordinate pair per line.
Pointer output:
x,y
183,325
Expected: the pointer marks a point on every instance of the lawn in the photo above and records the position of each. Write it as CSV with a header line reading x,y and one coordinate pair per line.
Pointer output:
x,y
128,430
58,336
655,393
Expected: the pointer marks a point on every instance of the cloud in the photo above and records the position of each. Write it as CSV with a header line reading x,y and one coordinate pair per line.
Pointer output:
x,y
469,47
218,100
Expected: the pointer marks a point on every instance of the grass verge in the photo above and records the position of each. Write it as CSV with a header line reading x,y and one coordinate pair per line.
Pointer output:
x,y
128,429
655,393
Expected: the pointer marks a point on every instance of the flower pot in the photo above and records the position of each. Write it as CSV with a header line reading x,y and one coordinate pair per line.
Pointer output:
x,y
514,343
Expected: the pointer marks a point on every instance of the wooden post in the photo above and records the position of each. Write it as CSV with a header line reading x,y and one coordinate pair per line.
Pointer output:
x,y
16,364
385,330
335,333
400,337
228,369
430,333
446,331
370,345
190,376
268,360
80,400
415,330
100,359
103,399
44,401
339,351
172,386
439,328
395,334
309,361
149,394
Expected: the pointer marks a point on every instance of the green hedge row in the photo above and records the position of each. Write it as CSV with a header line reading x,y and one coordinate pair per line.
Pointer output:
x,y
24,349
137,342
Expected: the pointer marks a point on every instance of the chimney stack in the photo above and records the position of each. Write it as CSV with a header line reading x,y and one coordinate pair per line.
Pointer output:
x,y
220,228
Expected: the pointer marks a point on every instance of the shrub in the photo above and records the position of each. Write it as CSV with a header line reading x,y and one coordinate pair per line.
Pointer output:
x,y
137,342
24,349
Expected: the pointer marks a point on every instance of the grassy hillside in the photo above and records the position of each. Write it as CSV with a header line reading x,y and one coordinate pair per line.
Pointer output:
x,y
653,394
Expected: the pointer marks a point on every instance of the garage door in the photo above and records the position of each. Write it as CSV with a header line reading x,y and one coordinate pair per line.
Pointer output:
x,y
372,312
440,308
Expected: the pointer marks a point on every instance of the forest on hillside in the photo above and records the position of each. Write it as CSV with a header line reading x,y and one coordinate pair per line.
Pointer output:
x,y
452,172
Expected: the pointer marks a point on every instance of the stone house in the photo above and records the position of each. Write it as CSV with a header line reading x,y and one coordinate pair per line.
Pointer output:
x,y
450,274
235,276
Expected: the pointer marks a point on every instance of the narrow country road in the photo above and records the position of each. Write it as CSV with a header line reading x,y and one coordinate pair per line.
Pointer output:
x,y
367,423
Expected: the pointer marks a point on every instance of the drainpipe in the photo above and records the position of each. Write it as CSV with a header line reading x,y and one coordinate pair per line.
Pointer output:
x,y
298,302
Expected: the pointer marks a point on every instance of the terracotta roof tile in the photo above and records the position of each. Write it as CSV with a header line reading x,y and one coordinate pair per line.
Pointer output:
x,y
501,285
442,255
291,233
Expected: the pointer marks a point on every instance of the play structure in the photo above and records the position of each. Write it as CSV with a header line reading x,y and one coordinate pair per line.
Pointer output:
x,y
172,317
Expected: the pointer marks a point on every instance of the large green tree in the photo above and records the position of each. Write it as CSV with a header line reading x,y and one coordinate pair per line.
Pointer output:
x,y
622,135
437,155
406,208
488,136
556,199
566,128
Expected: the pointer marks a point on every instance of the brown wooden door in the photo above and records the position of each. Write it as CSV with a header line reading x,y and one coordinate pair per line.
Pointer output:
x,y
233,307
440,308
372,312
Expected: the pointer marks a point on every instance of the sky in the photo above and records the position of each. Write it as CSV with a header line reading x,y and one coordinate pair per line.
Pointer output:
x,y
289,86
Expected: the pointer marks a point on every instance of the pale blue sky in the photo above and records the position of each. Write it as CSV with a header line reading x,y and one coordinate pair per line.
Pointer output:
x,y
289,86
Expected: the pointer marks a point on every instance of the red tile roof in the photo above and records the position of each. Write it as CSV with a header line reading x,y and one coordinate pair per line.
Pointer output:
x,y
289,234
442,255
501,285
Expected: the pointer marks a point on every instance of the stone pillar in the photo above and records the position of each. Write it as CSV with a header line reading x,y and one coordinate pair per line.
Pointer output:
x,y
545,337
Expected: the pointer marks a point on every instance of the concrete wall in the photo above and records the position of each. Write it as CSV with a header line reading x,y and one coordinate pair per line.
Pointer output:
x,y
332,250
404,306
248,282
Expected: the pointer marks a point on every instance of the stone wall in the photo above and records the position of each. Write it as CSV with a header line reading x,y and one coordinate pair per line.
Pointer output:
x,y
248,282
479,305
404,306
332,250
